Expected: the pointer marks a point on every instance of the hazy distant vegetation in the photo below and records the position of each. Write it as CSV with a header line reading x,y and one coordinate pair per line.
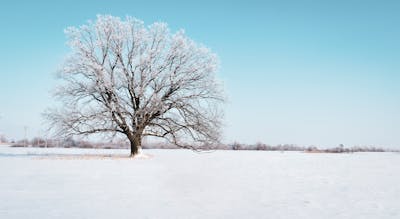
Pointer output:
x,y
72,143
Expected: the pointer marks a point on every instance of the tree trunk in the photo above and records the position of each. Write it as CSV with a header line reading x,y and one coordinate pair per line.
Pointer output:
x,y
136,144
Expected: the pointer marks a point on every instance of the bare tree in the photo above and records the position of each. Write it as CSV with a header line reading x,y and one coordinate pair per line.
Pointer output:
x,y
125,78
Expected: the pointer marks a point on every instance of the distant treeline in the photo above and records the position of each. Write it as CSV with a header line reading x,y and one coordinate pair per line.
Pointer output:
x,y
71,143
311,149
67,143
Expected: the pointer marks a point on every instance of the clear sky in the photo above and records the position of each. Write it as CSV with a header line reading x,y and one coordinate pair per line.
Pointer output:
x,y
304,72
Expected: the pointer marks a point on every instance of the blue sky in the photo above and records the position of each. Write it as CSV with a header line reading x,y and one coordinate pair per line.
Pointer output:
x,y
303,72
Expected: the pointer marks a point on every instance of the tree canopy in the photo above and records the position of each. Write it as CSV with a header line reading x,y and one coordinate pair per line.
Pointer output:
x,y
125,78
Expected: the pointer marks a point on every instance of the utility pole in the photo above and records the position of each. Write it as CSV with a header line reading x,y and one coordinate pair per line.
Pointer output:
x,y
38,139
25,134
1,134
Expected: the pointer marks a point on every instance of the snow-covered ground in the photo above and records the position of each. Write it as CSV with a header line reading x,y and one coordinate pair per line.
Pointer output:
x,y
34,183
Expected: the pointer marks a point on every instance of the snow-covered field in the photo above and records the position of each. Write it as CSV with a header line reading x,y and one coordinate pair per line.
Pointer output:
x,y
36,183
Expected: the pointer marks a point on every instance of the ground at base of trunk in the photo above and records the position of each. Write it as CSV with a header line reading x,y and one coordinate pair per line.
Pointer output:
x,y
140,156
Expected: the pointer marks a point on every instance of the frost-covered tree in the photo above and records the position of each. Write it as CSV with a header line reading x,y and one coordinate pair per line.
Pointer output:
x,y
126,78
